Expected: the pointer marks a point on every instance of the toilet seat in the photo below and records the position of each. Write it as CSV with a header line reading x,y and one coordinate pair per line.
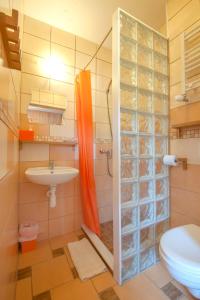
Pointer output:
x,y
181,246
180,252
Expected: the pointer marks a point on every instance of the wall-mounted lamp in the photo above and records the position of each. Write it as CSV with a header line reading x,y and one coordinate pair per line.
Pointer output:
x,y
53,67
181,98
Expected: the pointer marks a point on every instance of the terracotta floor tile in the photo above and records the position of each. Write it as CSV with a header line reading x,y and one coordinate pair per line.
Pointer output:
x,y
23,289
50,274
158,274
62,240
40,254
69,259
103,281
75,290
139,288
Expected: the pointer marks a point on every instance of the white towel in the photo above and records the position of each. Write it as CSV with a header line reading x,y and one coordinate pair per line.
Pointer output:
x,y
86,260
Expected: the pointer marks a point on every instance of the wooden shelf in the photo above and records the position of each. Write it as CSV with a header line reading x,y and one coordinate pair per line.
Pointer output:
x,y
67,143
10,33
186,115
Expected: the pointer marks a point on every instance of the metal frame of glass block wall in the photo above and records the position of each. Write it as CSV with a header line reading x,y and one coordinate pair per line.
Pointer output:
x,y
140,139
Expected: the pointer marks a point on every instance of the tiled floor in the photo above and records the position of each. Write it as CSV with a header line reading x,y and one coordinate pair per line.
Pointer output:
x,y
48,273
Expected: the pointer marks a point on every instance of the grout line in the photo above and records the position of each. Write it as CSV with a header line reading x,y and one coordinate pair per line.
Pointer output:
x,y
179,10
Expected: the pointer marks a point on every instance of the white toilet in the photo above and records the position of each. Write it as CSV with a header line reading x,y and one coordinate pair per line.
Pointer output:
x,y
180,252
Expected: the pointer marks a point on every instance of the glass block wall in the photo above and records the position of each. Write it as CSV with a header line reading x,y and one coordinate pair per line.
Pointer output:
x,y
140,95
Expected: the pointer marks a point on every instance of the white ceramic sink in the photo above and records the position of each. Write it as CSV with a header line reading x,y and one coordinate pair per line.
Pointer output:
x,y
52,177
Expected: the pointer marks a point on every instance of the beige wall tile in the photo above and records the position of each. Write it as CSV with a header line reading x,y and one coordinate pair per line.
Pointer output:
x,y
105,54
33,212
43,231
175,90
85,46
66,189
24,289
30,192
63,38
102,131
104,198
36,46
184,18
37,28
62,89
176,70
64,207
101,115
83,59
174,6
33,65
185,179
104,68
61,225
70,111
102,83
180,148
61,153
25,100
4,149
30,82
34,152
66,55
100,99
100,167
182,199
175,49
65,131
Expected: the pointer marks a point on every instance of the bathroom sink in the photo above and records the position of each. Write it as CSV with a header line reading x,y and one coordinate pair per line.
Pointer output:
x,y
52,177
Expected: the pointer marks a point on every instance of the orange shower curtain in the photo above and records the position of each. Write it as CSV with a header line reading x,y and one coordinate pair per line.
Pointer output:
x,y
85,138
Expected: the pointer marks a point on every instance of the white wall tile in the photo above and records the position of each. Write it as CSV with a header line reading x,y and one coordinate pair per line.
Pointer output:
x,y
189,148
103,131
64,131
34,152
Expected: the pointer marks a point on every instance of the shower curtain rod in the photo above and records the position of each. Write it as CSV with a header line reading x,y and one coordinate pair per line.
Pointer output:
x,y
98,48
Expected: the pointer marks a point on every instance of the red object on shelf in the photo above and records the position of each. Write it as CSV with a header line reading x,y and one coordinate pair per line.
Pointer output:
x,y
27,246
26,135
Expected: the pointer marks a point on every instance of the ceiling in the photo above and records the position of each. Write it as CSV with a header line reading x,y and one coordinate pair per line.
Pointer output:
x,y
91,19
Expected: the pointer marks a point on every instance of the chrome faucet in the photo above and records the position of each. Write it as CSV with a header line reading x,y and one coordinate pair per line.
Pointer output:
x,y
51,165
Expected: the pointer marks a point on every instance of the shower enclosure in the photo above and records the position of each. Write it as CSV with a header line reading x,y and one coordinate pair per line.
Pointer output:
x,y
140,139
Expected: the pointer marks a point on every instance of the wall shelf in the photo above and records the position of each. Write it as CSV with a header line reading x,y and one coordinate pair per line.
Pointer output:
x,y
185,116
67,142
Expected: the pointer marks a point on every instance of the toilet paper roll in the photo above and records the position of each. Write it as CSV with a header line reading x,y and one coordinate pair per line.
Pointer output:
x,y
170,160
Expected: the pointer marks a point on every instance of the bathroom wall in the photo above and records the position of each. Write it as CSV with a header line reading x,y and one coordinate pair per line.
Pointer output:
x,y
185,191
39,41
9,115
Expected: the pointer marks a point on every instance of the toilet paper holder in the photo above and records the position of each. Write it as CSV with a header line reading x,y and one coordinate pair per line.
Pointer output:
x,y
182,161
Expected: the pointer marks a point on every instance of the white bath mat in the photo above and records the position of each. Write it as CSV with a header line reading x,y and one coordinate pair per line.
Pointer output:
x,y
85,258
